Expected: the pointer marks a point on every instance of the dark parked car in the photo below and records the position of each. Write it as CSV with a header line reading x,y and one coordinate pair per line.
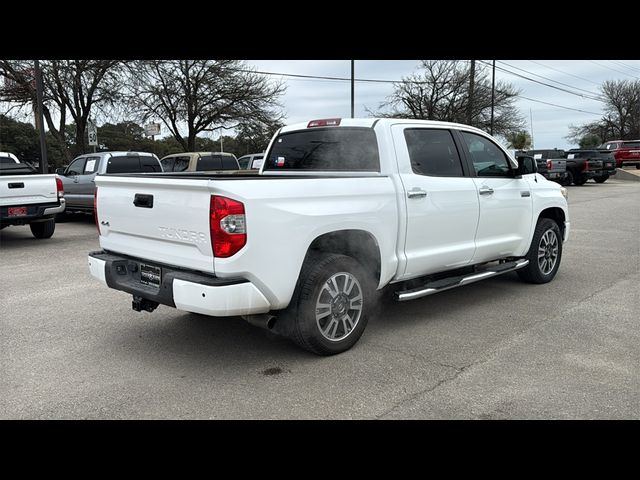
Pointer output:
x,y
583,164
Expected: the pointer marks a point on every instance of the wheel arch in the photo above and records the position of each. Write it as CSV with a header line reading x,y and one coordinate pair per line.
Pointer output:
x,y
358,244
556,214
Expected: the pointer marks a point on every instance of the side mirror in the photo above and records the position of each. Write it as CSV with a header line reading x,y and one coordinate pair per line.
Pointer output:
x,y
526,165
60,170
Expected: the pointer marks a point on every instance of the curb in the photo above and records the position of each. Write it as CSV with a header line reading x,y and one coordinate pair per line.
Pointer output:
x,y
623,175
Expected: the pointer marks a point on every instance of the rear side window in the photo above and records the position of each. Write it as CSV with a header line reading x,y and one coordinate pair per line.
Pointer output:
x,y
133,164
7,160
433,152
92,165
244,162
325,149
167,164
182,163
631,145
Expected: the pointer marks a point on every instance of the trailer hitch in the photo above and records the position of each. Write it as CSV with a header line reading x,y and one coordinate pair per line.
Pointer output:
x,y
139,304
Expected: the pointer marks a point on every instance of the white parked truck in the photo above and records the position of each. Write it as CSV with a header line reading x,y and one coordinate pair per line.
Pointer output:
x,y
341,208
29,198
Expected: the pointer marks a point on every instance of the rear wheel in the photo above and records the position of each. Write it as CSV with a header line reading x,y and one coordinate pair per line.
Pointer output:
x,y
580,180
568,180
43,229
329,312
601,179
544,254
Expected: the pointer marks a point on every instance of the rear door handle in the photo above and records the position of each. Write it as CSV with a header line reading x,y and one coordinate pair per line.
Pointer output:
x,y
416,193
485,190
142,200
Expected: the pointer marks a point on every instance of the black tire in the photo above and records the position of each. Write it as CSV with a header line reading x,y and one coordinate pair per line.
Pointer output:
x,y
601,179
43,229
305,329
533,272
637,166
580,180
568,180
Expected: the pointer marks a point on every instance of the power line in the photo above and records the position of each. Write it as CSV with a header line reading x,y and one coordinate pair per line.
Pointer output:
x,y
545,84
566,73
624,65
610,68
551,80
347,79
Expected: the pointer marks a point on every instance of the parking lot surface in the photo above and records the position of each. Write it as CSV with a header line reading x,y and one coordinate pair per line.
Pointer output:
x,y
72,348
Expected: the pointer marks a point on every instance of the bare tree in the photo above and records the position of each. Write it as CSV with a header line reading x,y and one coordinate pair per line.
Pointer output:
x,y
73,90
204,95
439,90
621,120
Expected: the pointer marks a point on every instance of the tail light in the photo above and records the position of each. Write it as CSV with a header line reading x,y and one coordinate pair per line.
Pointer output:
x,y
227,226
548,164
95,210
59,188
586,165
326,122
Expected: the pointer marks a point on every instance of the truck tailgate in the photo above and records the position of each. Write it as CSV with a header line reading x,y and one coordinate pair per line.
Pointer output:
x,y
169,224
18,190
558,166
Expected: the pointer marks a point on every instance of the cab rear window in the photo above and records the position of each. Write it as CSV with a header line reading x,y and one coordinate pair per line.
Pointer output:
x,y
352,149
133,164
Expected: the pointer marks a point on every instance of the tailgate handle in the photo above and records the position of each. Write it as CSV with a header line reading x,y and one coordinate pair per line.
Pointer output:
x,y
143,201
16,185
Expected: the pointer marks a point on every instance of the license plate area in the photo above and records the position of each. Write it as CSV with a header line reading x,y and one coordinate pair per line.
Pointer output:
x,y
16,211
150,275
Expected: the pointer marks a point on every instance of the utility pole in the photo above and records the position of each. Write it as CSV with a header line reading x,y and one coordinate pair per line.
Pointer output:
x,y
44,165
531,118
493,94
221,145
352,88
472,78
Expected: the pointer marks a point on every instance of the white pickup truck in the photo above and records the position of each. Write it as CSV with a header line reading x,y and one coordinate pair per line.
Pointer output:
x,y
27,197
340,208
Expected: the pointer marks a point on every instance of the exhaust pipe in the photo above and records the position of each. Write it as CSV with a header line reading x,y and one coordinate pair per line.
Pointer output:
x,y
261,320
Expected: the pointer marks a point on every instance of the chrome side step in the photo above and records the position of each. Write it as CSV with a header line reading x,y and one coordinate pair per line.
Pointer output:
x,y
458,281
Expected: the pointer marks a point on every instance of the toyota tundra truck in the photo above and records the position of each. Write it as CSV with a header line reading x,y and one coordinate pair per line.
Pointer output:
x,y
340,209
29,198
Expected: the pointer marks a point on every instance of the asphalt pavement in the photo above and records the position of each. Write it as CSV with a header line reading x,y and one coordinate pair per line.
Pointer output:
x,y
70,348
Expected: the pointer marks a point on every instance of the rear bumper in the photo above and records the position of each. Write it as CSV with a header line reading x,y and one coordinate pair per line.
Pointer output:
x,y
182,289
34,213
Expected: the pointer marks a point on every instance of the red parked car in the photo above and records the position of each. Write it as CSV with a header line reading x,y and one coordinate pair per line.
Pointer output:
x,y
625,151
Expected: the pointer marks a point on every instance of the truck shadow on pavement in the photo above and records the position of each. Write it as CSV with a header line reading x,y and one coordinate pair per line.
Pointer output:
x,y
197,342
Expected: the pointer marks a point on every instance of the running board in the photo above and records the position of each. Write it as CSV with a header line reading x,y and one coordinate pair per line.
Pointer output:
x,y
458,281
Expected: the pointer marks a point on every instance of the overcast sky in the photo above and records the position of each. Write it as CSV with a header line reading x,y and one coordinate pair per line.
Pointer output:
x,y
306,99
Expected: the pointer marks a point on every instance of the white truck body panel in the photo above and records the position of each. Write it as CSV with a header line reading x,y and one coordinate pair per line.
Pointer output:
x,y
37,189
453,225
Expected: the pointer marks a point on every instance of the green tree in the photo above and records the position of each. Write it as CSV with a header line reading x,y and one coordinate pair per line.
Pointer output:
x,y
589,140
19,138
520,140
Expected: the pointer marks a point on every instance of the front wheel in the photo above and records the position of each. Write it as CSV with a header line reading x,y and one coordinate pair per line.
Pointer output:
x,y
601,179
43,229
330,311
544,254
